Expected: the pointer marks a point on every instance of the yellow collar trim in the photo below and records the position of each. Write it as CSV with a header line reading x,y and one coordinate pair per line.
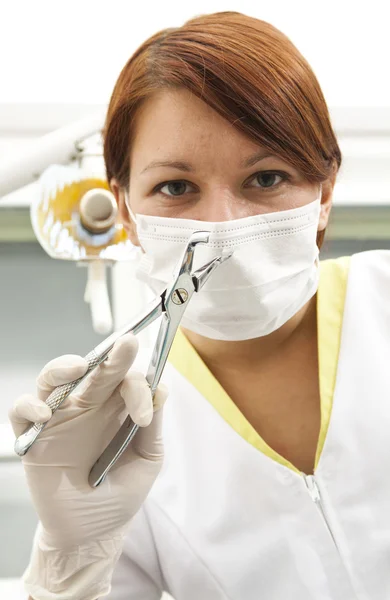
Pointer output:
x,y
330,308
330,311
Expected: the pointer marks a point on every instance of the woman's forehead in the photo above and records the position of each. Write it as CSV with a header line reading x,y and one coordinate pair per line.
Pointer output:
x,y
175,123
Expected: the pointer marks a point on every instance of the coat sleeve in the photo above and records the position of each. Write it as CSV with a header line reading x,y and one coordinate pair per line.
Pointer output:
x,y
137,573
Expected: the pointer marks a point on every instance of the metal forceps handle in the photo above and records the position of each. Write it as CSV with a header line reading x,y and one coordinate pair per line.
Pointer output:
x,y
176,300
128,429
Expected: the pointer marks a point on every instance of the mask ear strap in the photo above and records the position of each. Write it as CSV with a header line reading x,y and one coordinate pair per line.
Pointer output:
x,y
127,202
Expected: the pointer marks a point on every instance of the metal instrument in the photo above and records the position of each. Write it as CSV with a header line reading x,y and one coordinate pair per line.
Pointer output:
x,y
170,305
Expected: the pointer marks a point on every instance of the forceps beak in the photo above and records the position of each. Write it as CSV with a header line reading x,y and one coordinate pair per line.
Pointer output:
x,y
198,237
200,276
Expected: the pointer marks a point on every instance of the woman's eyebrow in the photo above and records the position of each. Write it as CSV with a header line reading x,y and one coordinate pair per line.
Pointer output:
x,y
255,158
175,164
184,166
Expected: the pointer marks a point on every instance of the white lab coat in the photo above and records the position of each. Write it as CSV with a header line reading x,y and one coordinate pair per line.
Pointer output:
x,y
228,518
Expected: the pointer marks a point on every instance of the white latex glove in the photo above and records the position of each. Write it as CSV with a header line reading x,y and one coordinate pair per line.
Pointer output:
x,y
82,529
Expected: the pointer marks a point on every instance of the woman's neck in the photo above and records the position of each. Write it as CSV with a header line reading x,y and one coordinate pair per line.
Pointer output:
x,y
258,352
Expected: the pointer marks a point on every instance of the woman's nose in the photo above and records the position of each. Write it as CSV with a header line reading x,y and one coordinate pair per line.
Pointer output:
x,y
221,206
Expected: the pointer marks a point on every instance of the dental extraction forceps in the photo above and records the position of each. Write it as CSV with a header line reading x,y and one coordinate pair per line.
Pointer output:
x,y
170,305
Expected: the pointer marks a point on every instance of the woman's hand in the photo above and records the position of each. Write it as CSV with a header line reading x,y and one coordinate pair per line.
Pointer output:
x,y
81,529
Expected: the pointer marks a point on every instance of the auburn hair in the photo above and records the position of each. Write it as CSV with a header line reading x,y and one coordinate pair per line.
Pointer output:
x,y
246,70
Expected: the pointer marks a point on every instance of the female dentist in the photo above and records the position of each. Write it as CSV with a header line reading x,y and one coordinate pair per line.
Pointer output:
x,y
276,432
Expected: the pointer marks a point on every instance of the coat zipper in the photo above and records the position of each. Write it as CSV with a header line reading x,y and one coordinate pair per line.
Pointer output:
x,y
314,491
315,494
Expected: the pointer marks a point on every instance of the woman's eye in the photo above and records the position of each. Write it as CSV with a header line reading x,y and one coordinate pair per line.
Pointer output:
x,y
267,179
173,188
179,187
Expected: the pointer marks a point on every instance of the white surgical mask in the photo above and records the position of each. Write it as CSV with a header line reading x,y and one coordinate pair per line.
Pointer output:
x,y
271,275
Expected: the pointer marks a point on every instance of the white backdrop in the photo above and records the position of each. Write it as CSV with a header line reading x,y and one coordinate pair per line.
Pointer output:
x,y
73,50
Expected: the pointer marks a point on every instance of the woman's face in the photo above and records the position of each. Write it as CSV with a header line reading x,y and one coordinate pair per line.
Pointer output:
x,y
188,162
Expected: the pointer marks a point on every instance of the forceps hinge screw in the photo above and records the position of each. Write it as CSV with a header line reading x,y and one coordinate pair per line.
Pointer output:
x,y
180,296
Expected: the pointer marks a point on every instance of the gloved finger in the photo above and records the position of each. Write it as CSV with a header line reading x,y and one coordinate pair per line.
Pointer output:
x,y
103,380
160,396
136,393
26,410
59,371
148,442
